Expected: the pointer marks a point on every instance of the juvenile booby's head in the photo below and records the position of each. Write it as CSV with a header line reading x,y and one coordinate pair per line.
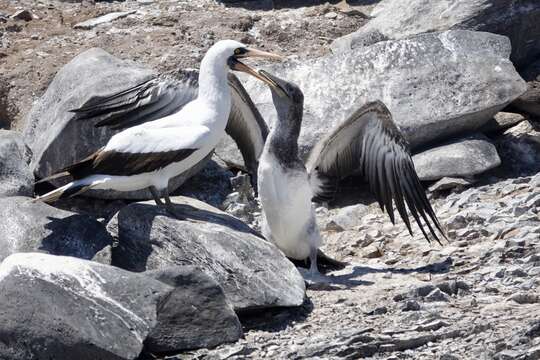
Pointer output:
x,y
228,53
287,97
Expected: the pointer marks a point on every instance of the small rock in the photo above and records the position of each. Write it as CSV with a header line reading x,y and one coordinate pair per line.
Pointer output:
x,y
448,356
347,217
437,295
501,121
516,272
533,353
92,23
380,310
471,155
519,147
507,355
453,287
432,326
331,15
525,298
411,305
422,291
15,175
25,15
372,252
447,183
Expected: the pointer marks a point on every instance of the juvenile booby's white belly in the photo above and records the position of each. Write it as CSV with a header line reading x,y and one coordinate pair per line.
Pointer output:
x,y
289,219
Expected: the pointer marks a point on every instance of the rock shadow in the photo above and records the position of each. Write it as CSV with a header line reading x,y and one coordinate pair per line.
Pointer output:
x,y
275,319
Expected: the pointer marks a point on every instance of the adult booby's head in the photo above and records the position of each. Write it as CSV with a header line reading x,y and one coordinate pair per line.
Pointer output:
x,y
226,53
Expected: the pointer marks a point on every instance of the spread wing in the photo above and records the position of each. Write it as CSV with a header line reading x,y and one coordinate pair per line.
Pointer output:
x,y
153,150
370,143
164,95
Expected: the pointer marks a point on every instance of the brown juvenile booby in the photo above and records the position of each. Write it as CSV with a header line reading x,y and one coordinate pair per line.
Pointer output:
x,y
368,141
148,155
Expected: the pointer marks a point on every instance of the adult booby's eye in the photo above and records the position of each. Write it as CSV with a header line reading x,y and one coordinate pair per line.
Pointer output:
x,y
237,51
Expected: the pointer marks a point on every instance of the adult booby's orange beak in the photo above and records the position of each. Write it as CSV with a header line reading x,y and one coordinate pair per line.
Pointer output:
x,y
249,52
235,64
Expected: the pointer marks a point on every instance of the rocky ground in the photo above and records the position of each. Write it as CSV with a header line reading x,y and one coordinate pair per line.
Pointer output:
x,y
476,296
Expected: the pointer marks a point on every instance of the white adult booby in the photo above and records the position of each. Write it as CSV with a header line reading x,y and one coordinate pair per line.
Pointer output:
x,y
368,141
168,93
148,155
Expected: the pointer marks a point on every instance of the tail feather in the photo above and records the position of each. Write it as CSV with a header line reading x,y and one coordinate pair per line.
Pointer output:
x,y
52,177
68,190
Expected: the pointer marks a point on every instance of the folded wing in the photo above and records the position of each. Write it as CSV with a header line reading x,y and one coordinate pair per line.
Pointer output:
x,y
164,95
369,143
156,149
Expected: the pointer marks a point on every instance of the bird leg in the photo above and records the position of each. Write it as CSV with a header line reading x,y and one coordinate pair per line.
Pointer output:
x,y
170,207
313,269
313,278
156,196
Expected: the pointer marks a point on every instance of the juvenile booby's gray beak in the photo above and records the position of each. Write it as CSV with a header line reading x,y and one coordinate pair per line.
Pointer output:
x,y
274,83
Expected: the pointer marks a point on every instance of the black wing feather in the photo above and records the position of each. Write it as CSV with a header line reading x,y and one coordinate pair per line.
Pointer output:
x,y
124,163
369,141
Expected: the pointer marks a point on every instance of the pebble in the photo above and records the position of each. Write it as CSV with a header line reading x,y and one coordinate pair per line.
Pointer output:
x,y
437,295
331,15
411,305
25,15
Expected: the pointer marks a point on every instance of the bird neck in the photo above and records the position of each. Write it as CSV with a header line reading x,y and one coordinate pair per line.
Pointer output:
x,y
284,135
213,85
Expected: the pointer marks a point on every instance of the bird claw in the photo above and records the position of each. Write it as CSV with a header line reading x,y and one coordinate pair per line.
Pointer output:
x,y
316,281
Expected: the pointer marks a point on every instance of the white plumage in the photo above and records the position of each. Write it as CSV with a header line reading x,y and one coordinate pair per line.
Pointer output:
x,y
288,215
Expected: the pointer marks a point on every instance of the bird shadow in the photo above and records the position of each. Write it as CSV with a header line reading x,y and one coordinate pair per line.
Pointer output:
x,y
134,241
350,279
70,236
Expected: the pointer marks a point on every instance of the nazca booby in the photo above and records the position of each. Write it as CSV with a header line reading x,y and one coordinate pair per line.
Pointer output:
x,y
149,154
368,141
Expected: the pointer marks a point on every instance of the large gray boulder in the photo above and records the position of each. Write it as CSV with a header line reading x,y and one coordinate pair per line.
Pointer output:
x,y
75,309
28,226
464,157
58,139
398,19
15,175
252,271
436,85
